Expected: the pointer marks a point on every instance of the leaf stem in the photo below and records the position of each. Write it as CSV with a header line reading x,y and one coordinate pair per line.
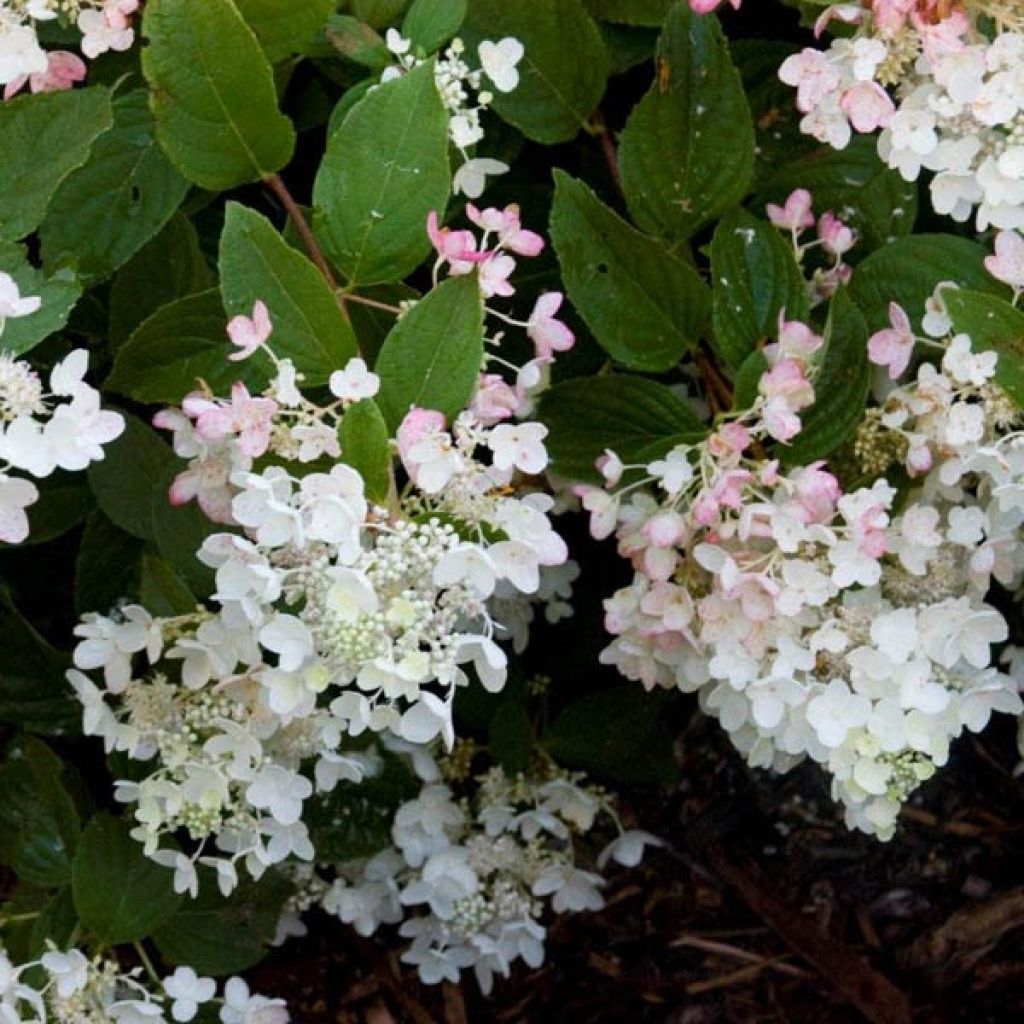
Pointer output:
x,y
362,300
147,963
278,187
599,129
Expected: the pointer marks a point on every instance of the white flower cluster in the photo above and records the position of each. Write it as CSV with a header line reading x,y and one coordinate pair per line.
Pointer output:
x,y
849,628
476,863
104,24
959,98
461,88
333,615
80,990
39,433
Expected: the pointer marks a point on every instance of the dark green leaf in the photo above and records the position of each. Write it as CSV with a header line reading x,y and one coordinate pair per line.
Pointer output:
x,y
378,13
126,191
385,169
754,277
179,532
640,420
364,445
180,344
994,326
58,295
359,43
64,502
510,738
169,267
433,355
592,734
45,137
107,567
212,94
687,151
840,387
431,23
609,268
120,894
284,27
214,935
257,263
563,71
631,12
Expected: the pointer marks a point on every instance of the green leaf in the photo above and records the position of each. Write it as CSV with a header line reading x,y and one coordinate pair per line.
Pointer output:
x,y
994,326
119,893
107,566
640,420
179,532
359,43
854,184
631,12
908,270
609,267
687,151
178,345
840,387
161,590
365,447
385,169
432,23
378,13
39,825
169,267
257,263
754,277
45,137
585,736
212,94
214,935
284,27
56,923
58,295
33,691
125,479
433,355
563,71
126,191
746,381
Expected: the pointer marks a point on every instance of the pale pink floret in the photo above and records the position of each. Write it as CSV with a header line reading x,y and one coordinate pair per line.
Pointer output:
x,y
1006,264
707,6
795,214
813,75
248,418
456,248
837,238
495,272
418,424
548,334
868,106
893,346
249,333
63,70
495,400
506,224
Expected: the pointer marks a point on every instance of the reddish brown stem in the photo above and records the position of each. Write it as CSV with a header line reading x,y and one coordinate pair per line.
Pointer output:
x,y
611,155
362,300
278,187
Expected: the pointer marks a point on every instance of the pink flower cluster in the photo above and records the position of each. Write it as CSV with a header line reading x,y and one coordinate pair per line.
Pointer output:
x,y
833,236
707,6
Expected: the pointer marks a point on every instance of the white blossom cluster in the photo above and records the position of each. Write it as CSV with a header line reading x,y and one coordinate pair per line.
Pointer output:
x,y
851,628
477,863
958,85
104,24
80,990
43,430
462,90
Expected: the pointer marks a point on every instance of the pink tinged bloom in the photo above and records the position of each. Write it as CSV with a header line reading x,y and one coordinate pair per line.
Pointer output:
x,y
495,400
456,248
786,379
63,70
850,14
730,439
249,333
548,334
494,274
942,38
506,224
868,106
610,467
893,346
418,425
795,214
251,419
796,341
836,237
16,495
603,508
707,6
1006,264
817,492
118,12
813,75
919,460
665,530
